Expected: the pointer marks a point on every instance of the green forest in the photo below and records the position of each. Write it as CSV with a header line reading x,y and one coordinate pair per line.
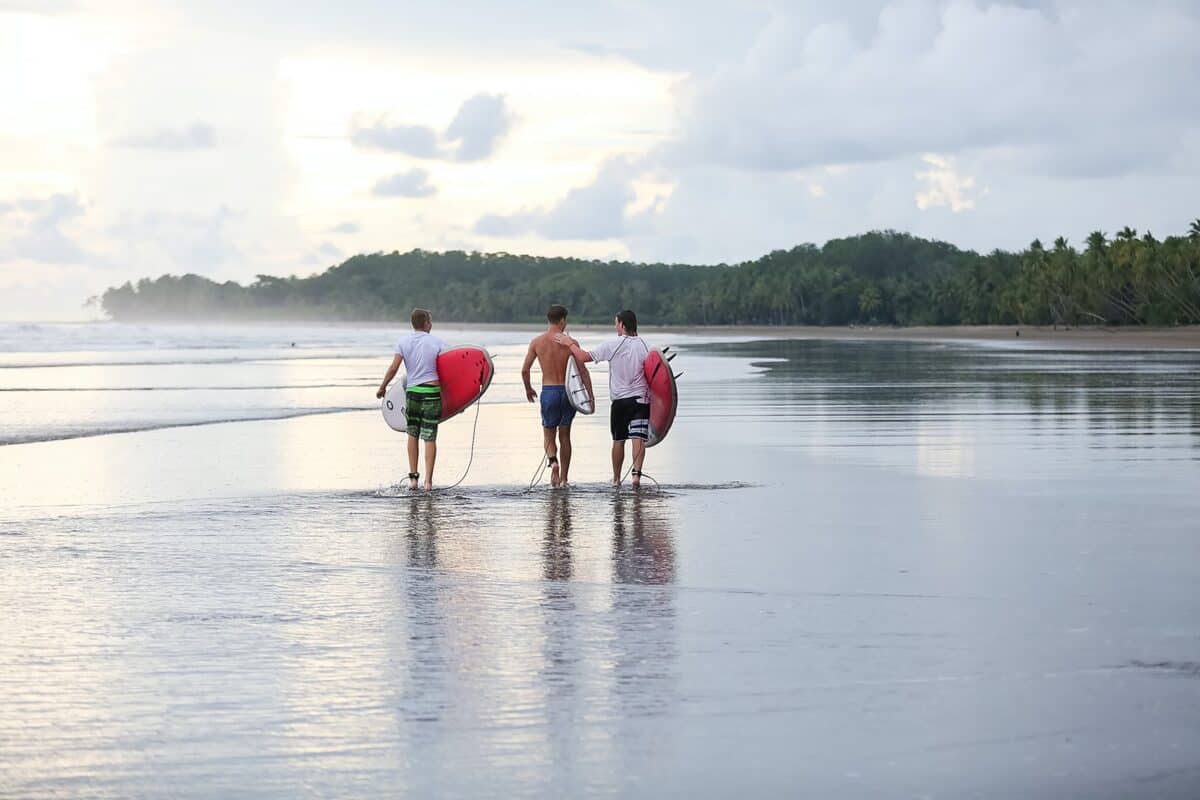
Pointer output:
x,y
882,277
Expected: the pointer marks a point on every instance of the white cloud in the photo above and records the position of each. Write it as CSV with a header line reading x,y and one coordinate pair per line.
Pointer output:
x,y
419,141
203,243
1059,84
37,6
37,229
479,126
197,136
944,186
596,210
413,183
477,129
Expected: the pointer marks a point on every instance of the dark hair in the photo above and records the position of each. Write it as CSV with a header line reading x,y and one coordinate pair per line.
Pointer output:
x,y
420,319
628,319
556,313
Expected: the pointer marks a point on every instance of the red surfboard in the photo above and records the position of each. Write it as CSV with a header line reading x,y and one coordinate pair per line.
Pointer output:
x,y
465,373
664,398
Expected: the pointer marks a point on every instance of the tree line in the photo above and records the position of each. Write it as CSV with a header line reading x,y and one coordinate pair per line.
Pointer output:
x,y
882,277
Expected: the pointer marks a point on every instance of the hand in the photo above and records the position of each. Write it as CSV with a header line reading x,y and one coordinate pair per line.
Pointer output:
x,y
563,339
382,391
530,395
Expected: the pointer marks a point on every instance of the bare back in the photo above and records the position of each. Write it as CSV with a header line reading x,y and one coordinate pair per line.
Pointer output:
x,y
552,358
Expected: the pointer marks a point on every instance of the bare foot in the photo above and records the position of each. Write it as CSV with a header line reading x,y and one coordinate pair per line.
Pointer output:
x,y
554,475
412,484
429,486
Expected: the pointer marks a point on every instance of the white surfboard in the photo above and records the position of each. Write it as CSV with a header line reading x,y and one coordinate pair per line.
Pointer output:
x,y
393,405
579,387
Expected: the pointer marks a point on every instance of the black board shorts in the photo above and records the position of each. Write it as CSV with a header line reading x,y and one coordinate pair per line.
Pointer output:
x,y
630,419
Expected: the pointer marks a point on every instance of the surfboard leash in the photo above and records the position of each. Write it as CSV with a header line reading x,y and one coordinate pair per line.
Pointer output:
x,y
470,459
537,475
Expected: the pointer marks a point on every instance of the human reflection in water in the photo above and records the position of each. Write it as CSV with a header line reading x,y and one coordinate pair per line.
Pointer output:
x,y
561,656
643,544
424,696
556,546
643,554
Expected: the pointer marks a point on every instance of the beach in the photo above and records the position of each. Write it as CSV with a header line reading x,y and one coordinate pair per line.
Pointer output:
x,y
865,564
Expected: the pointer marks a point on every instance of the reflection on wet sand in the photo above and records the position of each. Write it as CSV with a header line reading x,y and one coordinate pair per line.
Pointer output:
x,y
424,694
643,545
575,638
556,545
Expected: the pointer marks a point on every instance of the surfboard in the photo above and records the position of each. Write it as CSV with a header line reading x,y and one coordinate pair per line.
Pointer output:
x,y
664,398
579,387
464,372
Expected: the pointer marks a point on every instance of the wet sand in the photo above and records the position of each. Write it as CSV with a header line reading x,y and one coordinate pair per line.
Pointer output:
x,y
871,570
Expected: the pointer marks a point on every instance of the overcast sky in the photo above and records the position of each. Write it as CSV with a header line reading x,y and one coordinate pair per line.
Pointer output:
x,y
233,138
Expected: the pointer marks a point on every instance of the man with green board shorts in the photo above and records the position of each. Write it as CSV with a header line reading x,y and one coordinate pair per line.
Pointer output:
x,y
423,393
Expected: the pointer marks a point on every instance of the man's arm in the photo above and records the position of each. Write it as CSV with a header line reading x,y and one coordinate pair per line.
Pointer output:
x,y
391,373
581,355
530,394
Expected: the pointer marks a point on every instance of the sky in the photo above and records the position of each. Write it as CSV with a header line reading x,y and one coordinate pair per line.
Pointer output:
x,y
230,139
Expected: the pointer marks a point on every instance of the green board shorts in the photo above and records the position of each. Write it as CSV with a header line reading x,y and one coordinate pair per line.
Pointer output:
x,y
422,411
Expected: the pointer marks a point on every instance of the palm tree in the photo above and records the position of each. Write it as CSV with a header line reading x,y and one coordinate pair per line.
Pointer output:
x,y
1194,231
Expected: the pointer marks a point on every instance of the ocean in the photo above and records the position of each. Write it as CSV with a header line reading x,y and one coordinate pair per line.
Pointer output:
x,y
858,569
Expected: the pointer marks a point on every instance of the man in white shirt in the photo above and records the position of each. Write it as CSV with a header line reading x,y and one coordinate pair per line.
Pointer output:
x,y
630,414
423,392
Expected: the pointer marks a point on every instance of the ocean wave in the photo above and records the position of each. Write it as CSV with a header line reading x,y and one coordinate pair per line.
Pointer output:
x,y
61,434
175,362
360,385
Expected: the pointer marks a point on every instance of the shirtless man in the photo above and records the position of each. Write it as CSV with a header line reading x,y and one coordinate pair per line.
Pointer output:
x,y
557,411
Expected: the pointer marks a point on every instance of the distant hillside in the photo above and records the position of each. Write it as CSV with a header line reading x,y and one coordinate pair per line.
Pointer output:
x,y
879,277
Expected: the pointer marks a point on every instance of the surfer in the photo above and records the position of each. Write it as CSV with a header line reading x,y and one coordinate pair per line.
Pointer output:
x,y
423,395
630,414
557,411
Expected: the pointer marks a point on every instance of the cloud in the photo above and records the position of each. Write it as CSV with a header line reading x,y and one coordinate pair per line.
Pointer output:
x,y
201,243
597,210
346,227
480,124
1049,84
418,141
39,235
413,183
944,186
477,129
197,136
38,6
329,249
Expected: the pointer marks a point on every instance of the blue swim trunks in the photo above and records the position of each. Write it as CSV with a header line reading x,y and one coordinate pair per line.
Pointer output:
x,y
557,411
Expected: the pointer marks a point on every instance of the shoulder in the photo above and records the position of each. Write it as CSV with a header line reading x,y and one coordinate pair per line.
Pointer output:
x,y
605,348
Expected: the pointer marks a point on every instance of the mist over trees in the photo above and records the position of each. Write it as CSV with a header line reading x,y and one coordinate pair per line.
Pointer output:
x,y
882,277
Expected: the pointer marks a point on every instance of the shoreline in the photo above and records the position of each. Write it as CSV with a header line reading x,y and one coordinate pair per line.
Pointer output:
x,y
1177,338
1080,338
